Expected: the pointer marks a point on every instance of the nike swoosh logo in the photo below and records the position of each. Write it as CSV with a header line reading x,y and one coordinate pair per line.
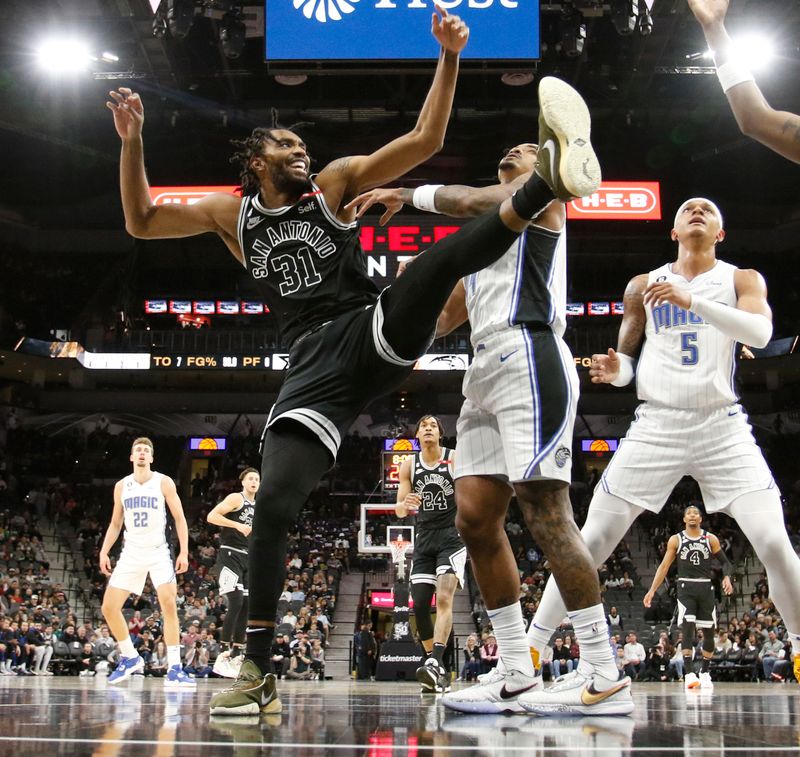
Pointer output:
x,y
733,412
590,695
506,694
550,146
253,222
503,358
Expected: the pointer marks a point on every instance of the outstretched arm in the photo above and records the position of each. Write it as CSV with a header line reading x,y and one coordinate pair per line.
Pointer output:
x,y
217,212
663,569
778,130
345,178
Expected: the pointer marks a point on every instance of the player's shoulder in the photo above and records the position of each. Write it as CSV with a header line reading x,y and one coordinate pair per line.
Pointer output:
x,y
637,284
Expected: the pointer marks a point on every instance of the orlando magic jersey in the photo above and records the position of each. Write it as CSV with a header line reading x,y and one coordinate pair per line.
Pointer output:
x,y
231,537
308,266
686,362
145,512
527,285
694,556
433,484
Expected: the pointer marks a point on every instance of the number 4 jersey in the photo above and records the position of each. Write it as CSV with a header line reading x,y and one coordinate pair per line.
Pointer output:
x,y
145,512
685,362
435,488
307,264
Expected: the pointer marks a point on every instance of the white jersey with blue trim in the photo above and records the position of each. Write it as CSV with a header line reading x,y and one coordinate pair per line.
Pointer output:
x,y
145,512
685,362
528,284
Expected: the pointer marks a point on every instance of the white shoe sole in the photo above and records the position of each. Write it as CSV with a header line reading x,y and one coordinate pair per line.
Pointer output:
x,y
245,709
561,709
483,707
180,684
567,115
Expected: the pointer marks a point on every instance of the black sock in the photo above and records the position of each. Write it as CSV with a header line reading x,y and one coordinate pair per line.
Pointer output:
x,y
532,198
704,665
438,652
236,650
259,642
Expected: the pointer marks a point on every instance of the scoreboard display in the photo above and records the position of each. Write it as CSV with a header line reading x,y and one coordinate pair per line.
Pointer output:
x,y
395,453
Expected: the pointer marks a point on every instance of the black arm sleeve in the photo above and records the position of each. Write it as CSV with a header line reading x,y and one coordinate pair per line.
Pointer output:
x,y
727,566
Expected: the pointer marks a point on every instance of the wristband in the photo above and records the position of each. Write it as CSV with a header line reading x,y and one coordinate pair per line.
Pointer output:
x,y
625,375
424,197
732,73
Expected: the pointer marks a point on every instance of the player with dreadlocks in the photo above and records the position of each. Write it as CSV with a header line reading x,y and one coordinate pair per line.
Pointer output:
x,y
348,344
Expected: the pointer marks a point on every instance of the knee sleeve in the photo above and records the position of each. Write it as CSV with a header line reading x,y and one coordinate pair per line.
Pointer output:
x,y
422,595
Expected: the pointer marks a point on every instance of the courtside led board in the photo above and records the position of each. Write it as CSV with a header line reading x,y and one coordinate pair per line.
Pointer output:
x,y
396,30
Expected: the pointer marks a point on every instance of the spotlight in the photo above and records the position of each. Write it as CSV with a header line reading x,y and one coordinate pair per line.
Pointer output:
x,y
232,34
753,50
180,16
63,56
517,79
625,15
291,80
573,36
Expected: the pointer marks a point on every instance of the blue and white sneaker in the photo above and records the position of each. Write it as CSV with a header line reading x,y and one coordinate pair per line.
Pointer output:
x,y
126,668
177,678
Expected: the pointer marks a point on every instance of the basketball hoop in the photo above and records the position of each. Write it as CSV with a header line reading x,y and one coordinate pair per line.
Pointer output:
x,y
398,549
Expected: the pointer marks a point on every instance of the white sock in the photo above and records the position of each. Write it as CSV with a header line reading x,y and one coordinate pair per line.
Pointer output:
x,y
509,629
591,633
174,655
126,648
539,637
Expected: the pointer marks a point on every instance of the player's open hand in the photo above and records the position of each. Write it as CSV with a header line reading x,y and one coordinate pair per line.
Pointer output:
x,y
727,586
604,368
709,12
391,199
245,530
105,564
648,598
450,31
128,112
658,293
182,563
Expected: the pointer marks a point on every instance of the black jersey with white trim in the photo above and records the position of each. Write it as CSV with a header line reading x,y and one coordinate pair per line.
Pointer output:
x,y
308,266
435,487
231,537
694,556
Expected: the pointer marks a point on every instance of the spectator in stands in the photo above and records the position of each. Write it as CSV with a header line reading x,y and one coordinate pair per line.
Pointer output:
x,y
634,657
196,661
42,650
367,650
136,624
614,620
490,654
192,633
280,655
771,652
561,663
289,618
676,661
300,665
86,660
143,644
317,654
574,650
657,665
472,659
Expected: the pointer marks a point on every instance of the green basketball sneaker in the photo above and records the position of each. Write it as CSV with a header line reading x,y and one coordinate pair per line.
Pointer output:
x,y
251,694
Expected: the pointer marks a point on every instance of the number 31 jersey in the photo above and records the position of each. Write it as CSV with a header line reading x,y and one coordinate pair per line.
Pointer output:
x,y
433,484
307,264
145,512
685,362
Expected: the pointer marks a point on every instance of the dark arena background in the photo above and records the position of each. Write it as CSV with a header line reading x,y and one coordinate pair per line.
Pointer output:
x,y
105,338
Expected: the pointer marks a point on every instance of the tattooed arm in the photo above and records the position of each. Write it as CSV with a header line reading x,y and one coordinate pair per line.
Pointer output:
x,y
778,130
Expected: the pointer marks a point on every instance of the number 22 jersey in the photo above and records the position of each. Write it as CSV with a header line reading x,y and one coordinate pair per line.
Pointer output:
x,y
145,512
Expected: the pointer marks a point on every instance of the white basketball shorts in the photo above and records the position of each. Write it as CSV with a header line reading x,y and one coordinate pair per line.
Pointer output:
x,y
521,397
715,447
130,572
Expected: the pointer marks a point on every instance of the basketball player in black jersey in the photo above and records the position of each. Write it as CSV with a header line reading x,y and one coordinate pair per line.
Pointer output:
x,y
348,344
694,548
427,490
234,515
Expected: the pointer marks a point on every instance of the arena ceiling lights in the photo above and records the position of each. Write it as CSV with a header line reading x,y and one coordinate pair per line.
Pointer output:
x,y
59,56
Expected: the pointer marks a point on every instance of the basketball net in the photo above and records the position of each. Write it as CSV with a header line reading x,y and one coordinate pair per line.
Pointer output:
x,y
398,550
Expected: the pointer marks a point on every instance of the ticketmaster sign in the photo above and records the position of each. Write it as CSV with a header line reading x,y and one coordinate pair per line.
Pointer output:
x,y
396,30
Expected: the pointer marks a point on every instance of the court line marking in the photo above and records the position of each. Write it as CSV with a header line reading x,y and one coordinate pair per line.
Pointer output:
x,y
394,747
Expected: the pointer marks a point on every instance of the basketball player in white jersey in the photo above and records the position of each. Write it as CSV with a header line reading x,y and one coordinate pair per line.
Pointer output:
x,y
683,320
140,504
778,130
515,437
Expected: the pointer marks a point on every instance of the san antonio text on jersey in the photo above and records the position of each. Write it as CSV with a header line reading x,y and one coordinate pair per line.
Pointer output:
x,y
434,486
694,556
231,537
308,266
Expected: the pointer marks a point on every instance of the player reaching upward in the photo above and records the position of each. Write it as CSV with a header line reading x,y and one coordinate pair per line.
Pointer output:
x,y
140,505
427,489
686,318
348,345
234,515
694,549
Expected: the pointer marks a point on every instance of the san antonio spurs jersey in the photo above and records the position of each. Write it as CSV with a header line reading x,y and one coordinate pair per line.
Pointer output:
x,y
435,487
145,512
526,285
685,362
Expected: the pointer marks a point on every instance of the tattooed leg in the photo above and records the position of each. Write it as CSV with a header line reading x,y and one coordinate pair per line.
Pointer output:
x,y
547,511
482,503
